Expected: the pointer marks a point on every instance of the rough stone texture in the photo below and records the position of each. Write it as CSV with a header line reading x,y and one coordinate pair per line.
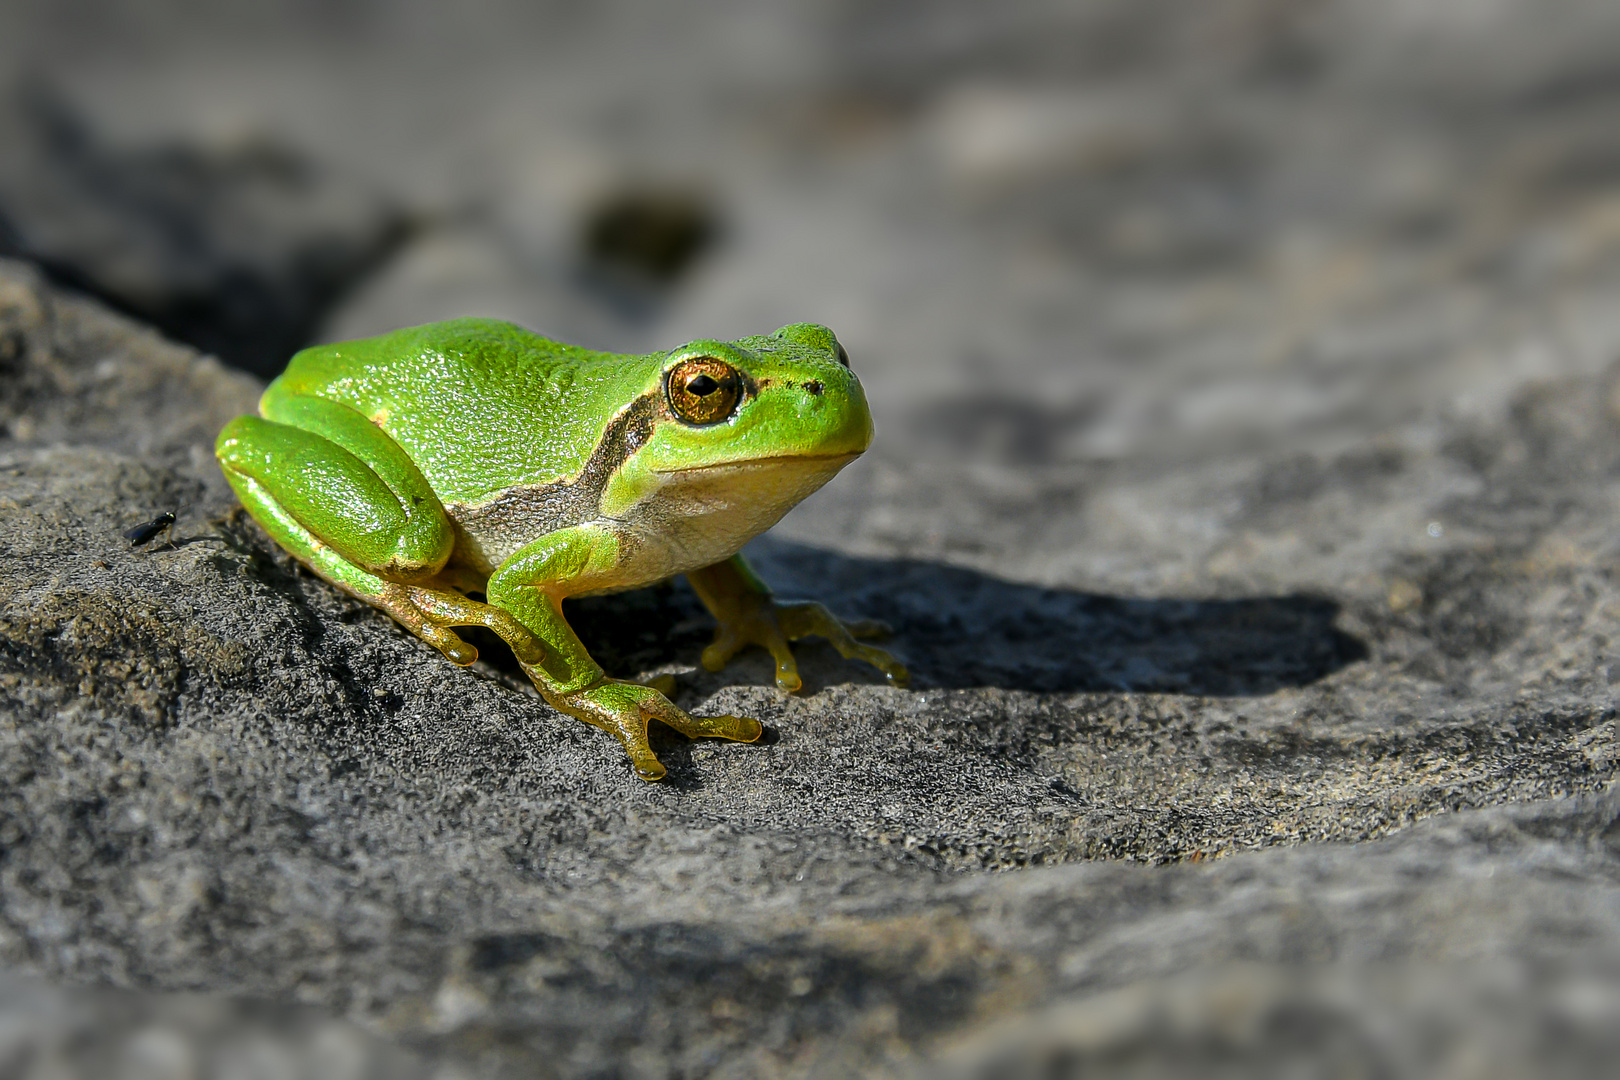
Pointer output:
x,y
220,774
1245,501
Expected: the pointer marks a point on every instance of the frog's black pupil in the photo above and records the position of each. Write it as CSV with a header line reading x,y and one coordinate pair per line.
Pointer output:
x,y
702,386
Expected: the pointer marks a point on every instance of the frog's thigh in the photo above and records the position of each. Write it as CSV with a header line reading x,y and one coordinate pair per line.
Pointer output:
x,y
264,460
346,484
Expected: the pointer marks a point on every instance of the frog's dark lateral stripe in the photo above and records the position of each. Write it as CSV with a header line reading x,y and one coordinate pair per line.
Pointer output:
x,y
537,509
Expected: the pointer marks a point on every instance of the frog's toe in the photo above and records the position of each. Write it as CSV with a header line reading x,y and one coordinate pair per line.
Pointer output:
x,y
615,706
763,630
787,668
726,726
810,619
869,629
430,613
645,763
448,642
735,728
893,670
633,737
728,641
774,625
435,610
660,708
664,684
624,708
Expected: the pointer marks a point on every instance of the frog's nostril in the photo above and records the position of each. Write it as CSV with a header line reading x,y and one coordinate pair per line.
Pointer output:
x,y
813,388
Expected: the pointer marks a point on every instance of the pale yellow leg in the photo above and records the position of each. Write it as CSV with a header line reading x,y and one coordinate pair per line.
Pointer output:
x,y
750,615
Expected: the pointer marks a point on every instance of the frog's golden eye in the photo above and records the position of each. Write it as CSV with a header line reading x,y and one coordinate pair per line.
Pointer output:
x,y
703,390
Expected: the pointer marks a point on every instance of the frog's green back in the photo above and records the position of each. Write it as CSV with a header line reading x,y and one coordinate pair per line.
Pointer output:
x,y
479,404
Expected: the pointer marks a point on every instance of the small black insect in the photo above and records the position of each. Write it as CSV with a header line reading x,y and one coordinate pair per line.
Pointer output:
x,y
146,530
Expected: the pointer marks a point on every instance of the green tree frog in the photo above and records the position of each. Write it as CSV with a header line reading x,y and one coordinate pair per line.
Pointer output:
x,y
475,457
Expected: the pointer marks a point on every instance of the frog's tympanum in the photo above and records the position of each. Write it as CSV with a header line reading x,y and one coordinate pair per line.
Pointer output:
x,y
473,456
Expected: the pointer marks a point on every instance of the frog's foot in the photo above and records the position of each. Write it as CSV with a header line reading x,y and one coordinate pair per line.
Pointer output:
x,y
623,709
665,684
429,614
757,619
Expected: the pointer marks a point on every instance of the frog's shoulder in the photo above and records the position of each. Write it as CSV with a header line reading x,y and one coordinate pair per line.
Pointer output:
x,y
470,345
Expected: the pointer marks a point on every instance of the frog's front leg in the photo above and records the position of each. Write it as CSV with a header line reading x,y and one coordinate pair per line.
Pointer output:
x,y
531,585
750,615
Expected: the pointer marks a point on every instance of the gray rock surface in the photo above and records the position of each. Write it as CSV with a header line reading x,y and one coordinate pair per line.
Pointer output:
x,y
1245,503
221,775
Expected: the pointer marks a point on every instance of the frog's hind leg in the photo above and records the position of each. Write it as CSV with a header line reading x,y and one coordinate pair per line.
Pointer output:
x,y
439,609
367,527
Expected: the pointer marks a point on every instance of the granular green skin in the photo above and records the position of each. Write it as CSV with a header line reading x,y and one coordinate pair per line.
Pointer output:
x,y
473,456
481,405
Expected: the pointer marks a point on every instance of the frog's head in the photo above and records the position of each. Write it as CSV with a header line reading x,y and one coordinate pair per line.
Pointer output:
x,y
765,419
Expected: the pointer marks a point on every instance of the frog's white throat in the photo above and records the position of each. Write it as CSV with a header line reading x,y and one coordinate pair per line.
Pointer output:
x,y
697,517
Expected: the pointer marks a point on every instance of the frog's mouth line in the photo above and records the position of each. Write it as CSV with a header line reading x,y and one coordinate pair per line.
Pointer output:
x,y
762,462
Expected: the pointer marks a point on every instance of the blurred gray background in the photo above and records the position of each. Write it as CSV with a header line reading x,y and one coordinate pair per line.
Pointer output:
x,y
1246,497
1059,238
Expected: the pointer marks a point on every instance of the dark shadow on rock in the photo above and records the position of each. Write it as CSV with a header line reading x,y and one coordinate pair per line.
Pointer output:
x,y
959,628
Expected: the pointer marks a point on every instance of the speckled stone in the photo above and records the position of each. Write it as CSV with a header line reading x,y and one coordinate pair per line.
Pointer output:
x,y
1245,501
